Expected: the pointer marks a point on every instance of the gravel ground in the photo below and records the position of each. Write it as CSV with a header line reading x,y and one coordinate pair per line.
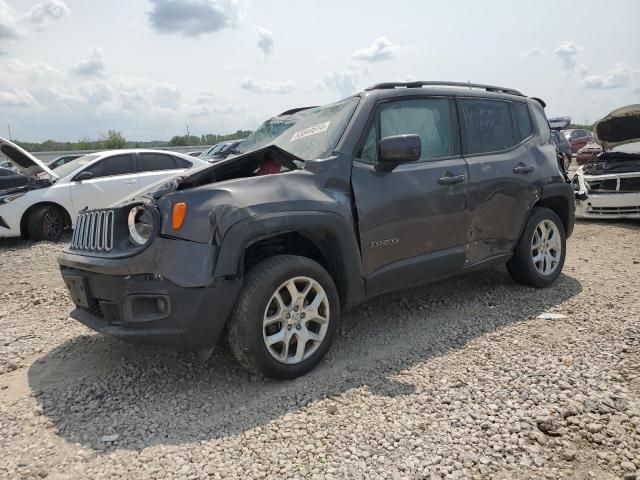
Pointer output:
x,y
459,379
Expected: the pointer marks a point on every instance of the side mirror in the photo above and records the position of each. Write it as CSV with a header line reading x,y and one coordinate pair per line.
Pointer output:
x,y
392,151
84,175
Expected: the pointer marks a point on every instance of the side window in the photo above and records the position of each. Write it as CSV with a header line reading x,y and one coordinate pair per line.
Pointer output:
x,y
520,113
182,163
150,162
431,119
542,122
116,165
488,125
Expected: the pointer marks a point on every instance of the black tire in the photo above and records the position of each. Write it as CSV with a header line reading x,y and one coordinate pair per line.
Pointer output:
x,y
246,323
521,266
46,223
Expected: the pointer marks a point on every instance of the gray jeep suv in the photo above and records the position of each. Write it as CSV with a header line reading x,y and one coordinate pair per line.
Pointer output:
x,y
320,209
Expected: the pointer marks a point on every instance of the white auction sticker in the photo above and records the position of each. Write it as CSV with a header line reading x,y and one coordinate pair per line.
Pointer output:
x,y
307,132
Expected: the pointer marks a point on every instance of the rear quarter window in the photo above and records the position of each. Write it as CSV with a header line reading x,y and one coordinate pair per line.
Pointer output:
x,y
522,120
541,122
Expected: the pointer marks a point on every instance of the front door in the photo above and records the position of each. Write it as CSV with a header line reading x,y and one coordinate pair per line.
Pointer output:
x,y
413,221
113,179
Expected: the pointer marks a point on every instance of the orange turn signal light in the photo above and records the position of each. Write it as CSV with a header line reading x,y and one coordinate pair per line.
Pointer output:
x,y
178,214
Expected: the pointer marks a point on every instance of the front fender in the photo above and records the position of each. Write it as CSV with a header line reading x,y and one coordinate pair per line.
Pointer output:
x,y
340,238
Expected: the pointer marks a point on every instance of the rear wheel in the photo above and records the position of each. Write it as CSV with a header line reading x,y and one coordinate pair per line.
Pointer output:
x,y
539,255
285,318
46,223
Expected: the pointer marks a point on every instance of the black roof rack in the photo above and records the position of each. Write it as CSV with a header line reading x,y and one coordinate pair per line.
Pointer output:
x,y
488,88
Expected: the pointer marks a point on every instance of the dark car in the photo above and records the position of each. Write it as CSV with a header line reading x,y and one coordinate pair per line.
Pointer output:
x,y
10,179
563,147
58,162
578,138
320,209
222,151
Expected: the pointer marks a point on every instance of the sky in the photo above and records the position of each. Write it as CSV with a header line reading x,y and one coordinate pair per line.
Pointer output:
x,y
73,69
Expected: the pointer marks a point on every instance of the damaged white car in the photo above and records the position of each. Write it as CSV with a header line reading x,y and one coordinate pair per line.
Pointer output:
x,y
608,185
48,203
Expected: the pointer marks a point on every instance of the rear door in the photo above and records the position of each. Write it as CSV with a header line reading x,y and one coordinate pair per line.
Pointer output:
x,y
412,221
154,166
114,178
498,145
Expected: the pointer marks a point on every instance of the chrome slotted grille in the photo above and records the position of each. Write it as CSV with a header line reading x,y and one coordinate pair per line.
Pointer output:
x,y
94,231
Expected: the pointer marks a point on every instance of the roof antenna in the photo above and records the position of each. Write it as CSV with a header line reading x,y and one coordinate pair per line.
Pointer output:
x,y
469,82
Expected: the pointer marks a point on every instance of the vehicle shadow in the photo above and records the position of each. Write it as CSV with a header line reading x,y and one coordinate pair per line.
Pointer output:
x,y
93,385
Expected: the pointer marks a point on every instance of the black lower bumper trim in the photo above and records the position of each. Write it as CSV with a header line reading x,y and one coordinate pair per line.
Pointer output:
x,y
149,309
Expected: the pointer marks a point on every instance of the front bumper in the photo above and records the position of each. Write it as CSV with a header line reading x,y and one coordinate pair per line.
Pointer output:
x,y
609,205
147,307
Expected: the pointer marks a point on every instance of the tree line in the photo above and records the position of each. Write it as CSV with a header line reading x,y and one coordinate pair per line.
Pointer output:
x,y
114,139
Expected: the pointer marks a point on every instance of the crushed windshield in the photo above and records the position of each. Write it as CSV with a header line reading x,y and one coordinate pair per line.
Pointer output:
x,y
308,134
70,167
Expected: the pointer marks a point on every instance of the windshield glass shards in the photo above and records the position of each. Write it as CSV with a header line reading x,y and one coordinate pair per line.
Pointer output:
x,y
307,134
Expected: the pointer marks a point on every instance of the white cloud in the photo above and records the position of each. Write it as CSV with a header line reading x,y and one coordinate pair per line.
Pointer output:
x,y
17,98
48,11
93,65
33,71
266,41
165,95
208,104
344,84
619,76
9,29
193,18
533,52
267,86
381,49
567,52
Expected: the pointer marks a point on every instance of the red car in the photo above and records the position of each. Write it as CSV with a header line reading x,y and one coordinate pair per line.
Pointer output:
x,y
578,138
587,152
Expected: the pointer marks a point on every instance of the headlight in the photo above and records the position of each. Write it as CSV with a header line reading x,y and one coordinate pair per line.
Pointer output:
x,y
140,223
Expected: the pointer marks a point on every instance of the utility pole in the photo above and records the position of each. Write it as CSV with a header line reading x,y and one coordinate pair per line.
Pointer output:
x,y
9,128
187,133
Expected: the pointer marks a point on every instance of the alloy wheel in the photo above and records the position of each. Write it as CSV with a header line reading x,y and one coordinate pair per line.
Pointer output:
x,y
546,247
296,320
52,225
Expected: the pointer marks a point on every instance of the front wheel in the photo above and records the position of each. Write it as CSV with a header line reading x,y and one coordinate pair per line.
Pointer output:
x,y
540,253
46,223
285,318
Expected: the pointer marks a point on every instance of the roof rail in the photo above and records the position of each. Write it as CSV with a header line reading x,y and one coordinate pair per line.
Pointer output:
x,y
488,88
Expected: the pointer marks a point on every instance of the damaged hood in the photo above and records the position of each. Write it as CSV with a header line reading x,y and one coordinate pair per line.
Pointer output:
x,y
619,127
26,163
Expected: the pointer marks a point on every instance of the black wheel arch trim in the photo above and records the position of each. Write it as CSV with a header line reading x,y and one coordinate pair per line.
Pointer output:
x,y
548,192
342,248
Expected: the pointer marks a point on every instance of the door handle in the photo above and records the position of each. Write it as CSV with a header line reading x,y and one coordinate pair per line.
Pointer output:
x,y
524,169
451,179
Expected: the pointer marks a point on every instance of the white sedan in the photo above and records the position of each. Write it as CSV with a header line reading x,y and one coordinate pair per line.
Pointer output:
x,y
50,202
